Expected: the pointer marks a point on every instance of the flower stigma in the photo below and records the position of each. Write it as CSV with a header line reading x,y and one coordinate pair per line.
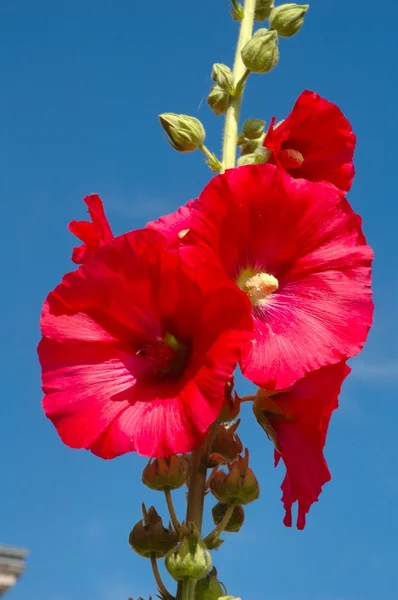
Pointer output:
x,y
166,356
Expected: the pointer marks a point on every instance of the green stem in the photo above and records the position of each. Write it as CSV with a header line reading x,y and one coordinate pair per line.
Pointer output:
x,y
217,531
188,589
239,70
170,506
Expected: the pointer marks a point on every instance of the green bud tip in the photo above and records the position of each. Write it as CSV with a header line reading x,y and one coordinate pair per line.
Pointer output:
x,y
253,129
261,53
288,19
185,133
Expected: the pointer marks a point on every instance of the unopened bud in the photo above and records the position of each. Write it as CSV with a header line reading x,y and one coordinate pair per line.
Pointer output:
x,y
288,19
261,53
222,76
162,474
236,520
218,100
231,406
186,134
238,486
226,445
209,588
253,129
262,155
190,559
149,537
246,159
250,146
263,9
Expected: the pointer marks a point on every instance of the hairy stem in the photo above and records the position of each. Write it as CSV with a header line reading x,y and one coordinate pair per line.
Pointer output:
x,y
239,72
172,512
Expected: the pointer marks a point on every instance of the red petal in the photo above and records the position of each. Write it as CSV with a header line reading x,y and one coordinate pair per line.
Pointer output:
x,y
301,439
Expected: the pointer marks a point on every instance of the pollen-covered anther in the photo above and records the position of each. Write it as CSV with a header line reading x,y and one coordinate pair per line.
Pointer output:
x,y
291,159
260,286
182,233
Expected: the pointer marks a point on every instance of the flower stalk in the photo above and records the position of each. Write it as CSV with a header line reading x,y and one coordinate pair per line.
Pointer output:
x,y
239,72
162,588
217,531
172,512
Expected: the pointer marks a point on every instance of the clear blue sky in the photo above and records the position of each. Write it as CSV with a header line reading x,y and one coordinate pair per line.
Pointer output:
x,y
82,83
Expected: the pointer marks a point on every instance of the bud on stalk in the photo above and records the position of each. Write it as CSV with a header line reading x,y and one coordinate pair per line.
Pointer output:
x,y
238,486
288,19
149,537
261,53
190,559
185,133
162,474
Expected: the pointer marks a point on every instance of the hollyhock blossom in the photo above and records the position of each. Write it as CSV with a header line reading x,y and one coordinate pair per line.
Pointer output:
x,y
297,420
297,250
135,352
93,234
315,142
174,225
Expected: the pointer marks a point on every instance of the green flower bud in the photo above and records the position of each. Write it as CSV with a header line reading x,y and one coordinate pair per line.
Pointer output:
x,y
190,559
262,155
209,588
218,100
166,473
288,19
250,147
263,9
186,134
261,53
222,76
149,536
235,522
238,486
246,159
253,129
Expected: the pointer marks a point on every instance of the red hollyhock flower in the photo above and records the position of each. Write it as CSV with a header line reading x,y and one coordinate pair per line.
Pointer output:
x,y
297,250
135,354
174,225
93,234
297,421
314,142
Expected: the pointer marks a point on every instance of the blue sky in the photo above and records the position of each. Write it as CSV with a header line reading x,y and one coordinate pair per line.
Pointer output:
x,y
82,84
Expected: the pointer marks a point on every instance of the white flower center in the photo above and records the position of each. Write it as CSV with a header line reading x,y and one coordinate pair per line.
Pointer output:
x,y
257,286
